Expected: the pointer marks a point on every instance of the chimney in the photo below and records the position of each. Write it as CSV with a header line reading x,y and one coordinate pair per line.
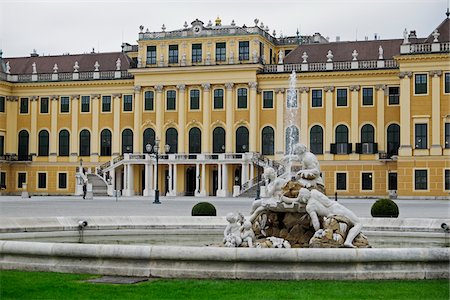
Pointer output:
x,y
34,53
412,34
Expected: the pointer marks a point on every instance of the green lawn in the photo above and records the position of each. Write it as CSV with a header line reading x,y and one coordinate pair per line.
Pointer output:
x,y
41,285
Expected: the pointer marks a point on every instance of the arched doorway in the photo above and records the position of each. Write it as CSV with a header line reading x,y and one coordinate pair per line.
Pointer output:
x,y
190,181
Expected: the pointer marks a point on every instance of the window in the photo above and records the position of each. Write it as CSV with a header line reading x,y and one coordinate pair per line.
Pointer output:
x,y
63,143
195,99
85,143
341,134
447,136
341,145
2,180
23,145
366,184
43,143
394,95
21,179
195,140
420,180
420,84
341,181
85,101
148,99
105,142
268,141
392,181
219,140
292,138
218,99
106,103
367,94
268,99
2,145
171,100
244,50
128,103
367,134
446,83
242,98
2,103
221,52
42,180
341,97
127,141
148,138
447,180
62,180
44,105
173,54
421,136
172,140
316,96
65,103
393,139
23,105
242,140
291,99
316,139
151,55
196,53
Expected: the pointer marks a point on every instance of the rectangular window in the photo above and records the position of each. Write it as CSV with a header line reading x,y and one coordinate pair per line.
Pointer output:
x,y
42,180
366,184
218,99
64,105
85,101
420,180
21,179
23,105
2,180
171,100
341,181
447,136
420,84
244,50
173,54
196,53
151,55
195,99
447,83
44,105
148,99
316,98
268,99
221,52
447,180
394,95
421,136
392,181
2,145
62,180
341,96
127,102
242,98
367,94
106,103
2,103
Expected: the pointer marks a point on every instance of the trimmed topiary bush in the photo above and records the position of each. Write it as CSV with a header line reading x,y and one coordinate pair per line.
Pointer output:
x,y
203,209
384,208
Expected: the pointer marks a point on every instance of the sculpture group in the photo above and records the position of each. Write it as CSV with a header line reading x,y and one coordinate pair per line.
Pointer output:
x,y
295,211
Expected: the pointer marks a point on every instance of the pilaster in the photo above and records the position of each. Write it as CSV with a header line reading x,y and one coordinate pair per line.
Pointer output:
x,y
74,129
206,144
181,117
33,132
381,92
254,128
53,128
405,114
95,119
304,136
116,126
279,131
436,147
354,133
329,124
137,139
229,117
11,144
160,114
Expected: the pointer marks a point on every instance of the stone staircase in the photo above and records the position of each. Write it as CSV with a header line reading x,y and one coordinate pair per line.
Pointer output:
x,y
99,187
251,192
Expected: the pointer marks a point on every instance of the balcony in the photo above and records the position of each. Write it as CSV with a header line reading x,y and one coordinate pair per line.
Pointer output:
x,y
341,148
366,148
15,157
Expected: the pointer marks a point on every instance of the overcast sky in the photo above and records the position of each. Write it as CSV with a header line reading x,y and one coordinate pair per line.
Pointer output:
x,y
56,27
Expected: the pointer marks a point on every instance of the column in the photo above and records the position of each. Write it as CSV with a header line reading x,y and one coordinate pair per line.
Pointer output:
x,y
130,180
354,129
181,117
206,144
203,176
219,179
197,179
95,128
169,193
155,177
137,140
225,190
253,107
279,131
159,103
11,143
381,93
174,174
54,128
329,123
229,117
252,171
125,180
304,134
116,126
244,177
33,132
147,179
405,114
436,147
112,174
74,129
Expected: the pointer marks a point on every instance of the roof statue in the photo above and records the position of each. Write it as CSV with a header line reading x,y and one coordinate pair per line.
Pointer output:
x,y
33,65
76,67
8,68
355,55
330,56
96,66
118,64
380,52
55,68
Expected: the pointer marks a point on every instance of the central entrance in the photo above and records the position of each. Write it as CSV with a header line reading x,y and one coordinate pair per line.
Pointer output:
x,y
190,181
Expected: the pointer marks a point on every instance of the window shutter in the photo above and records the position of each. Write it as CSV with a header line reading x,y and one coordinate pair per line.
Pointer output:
x,y
375,147
358,148
333,149
349,148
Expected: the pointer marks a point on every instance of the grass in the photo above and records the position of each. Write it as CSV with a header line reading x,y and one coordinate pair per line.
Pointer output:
x,y
42,285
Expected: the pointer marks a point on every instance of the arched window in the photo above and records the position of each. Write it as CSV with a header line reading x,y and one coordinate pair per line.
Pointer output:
x,y
367,134
195,140
85,143
267,141
219,140
23,145
127,141
393,139
292,138
242,140
316,139
148,138
63,146
341,134
105,142
172,139
43,143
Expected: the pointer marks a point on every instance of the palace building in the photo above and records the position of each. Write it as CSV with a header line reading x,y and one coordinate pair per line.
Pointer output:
x,y
375,112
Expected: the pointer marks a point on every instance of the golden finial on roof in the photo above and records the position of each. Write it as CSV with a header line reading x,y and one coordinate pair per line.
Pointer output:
x,y
218,21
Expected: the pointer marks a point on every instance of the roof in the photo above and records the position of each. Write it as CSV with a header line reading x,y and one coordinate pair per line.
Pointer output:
x,y
444,32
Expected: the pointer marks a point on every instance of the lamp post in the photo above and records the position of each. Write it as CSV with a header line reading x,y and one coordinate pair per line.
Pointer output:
x,y
148,147
258,191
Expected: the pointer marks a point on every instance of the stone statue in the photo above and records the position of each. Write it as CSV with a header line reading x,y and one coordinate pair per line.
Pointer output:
x,y
33,65
309,175
318,205
55,68
118,64
247,234
8,68
280,57
96,66
139,62
76,67
405,37
380,52
330,56
232,233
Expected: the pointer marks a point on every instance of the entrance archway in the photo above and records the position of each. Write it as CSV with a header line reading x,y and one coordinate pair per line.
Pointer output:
x,y
190,181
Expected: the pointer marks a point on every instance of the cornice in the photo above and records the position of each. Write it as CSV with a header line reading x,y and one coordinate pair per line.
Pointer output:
x,y
74,83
